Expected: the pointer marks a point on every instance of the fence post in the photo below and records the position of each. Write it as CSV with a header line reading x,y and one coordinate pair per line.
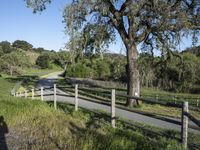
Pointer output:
x,y
76,97
42,89
25,93
32,91
113,109
20,94
184,127
55,98
197,103
14,94
17,94
174,99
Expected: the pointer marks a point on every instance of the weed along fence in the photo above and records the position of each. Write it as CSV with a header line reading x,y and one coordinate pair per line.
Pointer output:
x,y
193,101
110,99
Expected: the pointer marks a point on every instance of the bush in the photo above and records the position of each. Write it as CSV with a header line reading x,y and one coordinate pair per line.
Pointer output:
x,y
43,61
103,70
79,70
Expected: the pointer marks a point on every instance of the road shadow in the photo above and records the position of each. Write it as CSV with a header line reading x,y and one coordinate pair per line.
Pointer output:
x,y
23,77
3,132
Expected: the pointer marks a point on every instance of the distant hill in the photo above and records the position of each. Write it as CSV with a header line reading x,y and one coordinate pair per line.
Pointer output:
x,y
114,56
194,50
21,55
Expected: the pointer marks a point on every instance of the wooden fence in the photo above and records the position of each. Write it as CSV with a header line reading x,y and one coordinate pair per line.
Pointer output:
x,y
185,115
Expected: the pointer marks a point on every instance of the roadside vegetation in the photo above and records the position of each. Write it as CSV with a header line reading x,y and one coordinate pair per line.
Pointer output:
x,y
178,74
43,127
93,90
164,81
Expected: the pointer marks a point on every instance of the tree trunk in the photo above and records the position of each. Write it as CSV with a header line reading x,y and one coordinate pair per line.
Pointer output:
x,y
133,84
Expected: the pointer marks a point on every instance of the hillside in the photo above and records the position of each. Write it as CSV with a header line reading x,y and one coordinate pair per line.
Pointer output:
x,y
18,57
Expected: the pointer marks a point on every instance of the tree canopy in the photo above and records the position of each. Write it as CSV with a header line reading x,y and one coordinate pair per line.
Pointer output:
x,y
22,44
6,46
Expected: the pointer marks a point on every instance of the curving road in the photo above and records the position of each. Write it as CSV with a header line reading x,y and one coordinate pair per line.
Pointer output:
x,y
49,81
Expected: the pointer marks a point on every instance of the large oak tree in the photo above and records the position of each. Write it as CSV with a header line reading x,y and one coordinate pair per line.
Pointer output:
x,y
154,24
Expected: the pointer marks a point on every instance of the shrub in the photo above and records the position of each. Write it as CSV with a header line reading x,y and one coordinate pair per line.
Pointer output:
x,y
43,61
79,70
103,70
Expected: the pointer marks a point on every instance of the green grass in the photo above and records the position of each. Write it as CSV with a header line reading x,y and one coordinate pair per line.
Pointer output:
x,y
155,109
45,128
165,111
164,95
36,125
39,72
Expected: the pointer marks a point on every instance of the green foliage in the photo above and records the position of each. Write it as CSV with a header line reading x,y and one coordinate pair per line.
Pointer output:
x,y
190,71
177,72
6,47
194,50
20,55
118,70
39,50
13,62
147,75
62,58
79,70
22,45
94,68
43,61
1,51
103,70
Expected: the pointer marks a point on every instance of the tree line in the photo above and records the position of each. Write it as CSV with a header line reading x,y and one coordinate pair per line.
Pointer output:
x,y
17,56
175,71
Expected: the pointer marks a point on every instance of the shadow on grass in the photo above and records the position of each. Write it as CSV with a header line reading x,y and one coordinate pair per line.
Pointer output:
x,y
20,78
115,139
25,81
97,118
3,132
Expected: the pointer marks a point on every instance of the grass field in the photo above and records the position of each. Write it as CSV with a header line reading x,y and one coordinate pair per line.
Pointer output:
x,y
36,125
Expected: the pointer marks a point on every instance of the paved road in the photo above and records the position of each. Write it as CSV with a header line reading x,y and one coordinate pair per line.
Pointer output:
x,y
47,82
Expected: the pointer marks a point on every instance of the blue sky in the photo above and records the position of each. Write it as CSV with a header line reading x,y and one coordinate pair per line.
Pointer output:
x,y
42,29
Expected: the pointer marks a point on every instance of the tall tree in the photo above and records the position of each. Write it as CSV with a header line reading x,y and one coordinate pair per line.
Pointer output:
x,y
6,47
22,44
156,24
